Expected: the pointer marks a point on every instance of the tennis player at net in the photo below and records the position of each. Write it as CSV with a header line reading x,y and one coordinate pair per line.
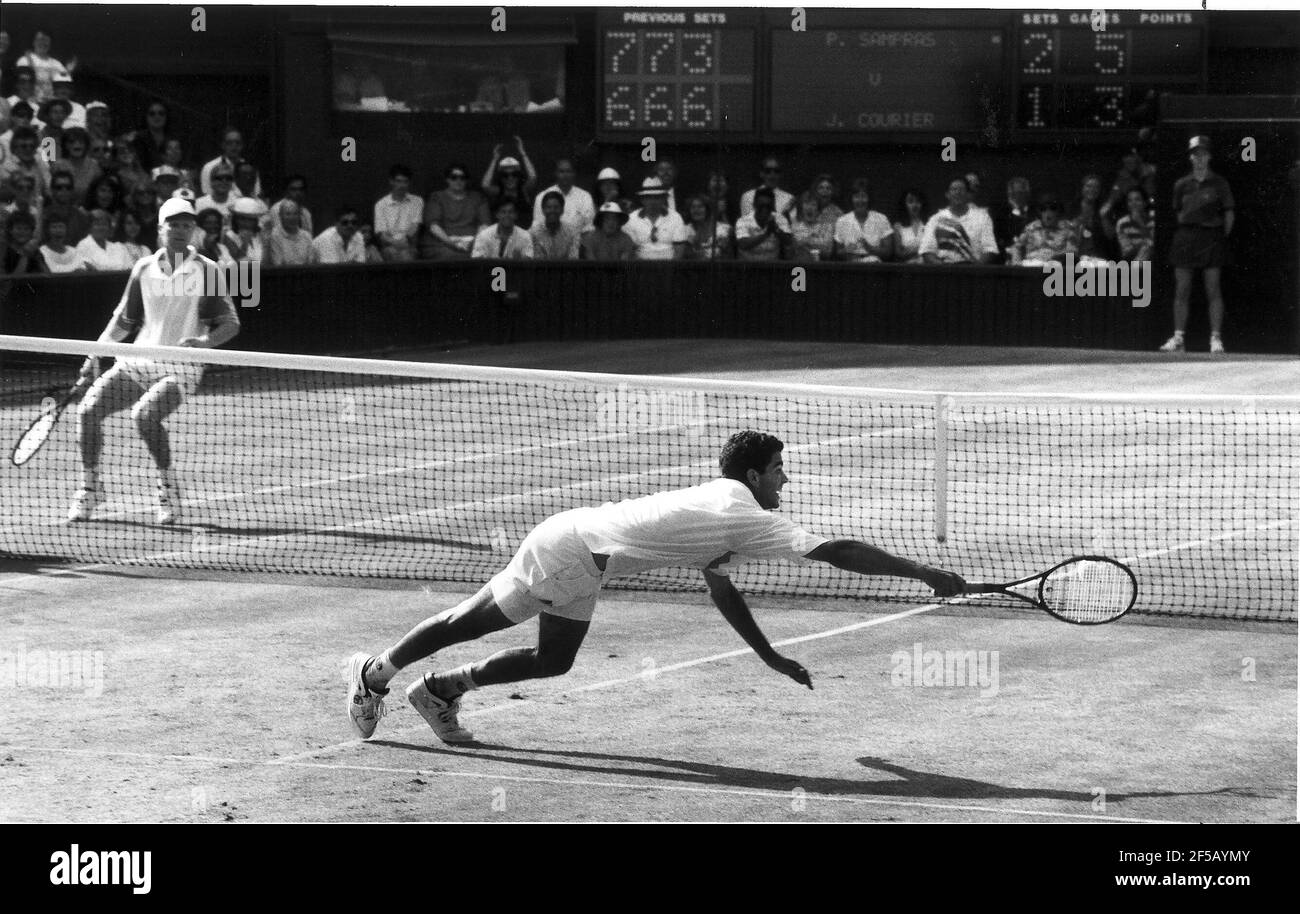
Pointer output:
x,y
561,565
174,297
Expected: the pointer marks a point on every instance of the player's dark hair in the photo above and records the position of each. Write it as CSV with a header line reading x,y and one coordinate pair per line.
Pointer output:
x,y
296,177
748,450
455,167
399,171
346,210
18,217
23,133
764,193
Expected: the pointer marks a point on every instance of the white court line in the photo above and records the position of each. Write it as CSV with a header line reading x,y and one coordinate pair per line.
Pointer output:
x,y
655,786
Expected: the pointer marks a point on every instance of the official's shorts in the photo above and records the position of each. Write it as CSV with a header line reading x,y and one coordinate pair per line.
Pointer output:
x,y
1196,247
553,572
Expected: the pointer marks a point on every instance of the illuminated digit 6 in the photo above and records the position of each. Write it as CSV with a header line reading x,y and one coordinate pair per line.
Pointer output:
x,y
620,110
657,106
696,108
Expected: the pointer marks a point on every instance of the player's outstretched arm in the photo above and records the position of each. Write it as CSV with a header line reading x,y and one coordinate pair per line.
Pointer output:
x,y
735,610
861,558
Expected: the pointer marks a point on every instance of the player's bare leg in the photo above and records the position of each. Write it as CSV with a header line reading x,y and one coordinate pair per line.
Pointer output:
x,y
1214,295
111,393
149,416
1182,306
368,677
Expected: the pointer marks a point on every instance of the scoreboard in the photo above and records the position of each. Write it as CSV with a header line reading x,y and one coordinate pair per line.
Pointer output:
x,y
678,71
1072,75
889,75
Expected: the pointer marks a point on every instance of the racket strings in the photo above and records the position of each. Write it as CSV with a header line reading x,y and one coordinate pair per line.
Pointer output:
x,y
1088,591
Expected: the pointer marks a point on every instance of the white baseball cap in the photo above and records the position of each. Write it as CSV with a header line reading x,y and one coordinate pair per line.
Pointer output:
x,y
608,174
175,206
249,206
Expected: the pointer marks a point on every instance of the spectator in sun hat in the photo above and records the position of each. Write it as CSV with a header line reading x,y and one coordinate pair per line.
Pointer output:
x,y
659,234
608,241
223,195
99,121
510,178
63,89
609,189
244,238
1204,212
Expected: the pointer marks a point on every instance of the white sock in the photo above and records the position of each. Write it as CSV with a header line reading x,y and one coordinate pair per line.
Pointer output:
x,y
167,477
1178,334
453,683
90,477
1216,335
381,671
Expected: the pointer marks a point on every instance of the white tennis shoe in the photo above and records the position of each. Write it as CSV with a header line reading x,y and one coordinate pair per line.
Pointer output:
x,y
1216,345
84,504
439,713
1174,344
365,706
169,502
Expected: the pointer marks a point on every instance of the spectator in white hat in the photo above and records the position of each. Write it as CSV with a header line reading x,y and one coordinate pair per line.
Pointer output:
x,y
608,241
45,66
63,89
508,178
99,121
659,234
609,189
244,239
579,208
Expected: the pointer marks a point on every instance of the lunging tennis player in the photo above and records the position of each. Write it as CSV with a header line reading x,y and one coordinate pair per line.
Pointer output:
x,y
563,562
175,297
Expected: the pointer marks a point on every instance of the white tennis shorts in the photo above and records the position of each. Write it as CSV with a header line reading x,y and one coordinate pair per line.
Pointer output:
x,y
553,572
147,373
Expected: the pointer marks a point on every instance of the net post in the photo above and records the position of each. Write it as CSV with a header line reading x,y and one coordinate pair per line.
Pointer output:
x,y
942,403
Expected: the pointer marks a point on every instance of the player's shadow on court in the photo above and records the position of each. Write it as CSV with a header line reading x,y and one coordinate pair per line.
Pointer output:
x,y
905,783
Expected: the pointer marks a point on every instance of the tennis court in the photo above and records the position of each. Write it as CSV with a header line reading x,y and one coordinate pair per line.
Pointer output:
x,y
220,691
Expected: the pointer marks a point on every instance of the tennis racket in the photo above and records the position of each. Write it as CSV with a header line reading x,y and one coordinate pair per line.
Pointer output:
x,y
1084,590
39,431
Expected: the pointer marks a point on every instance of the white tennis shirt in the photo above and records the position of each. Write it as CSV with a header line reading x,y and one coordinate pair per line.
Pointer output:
x,y
166,306
719,521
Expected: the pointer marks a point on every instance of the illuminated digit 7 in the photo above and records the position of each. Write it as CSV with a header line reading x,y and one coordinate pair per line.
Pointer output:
x,y
629,40
669,44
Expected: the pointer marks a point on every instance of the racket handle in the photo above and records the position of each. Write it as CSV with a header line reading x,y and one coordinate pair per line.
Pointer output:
x,y
977,587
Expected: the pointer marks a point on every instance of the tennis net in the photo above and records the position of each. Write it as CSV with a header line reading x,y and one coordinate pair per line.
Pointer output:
x,y
371,468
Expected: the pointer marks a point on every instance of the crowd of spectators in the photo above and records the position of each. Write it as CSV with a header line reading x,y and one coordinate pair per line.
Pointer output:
x,y
77,194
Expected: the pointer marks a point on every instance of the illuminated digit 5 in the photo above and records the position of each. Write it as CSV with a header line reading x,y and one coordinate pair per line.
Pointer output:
x,y
1111,43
